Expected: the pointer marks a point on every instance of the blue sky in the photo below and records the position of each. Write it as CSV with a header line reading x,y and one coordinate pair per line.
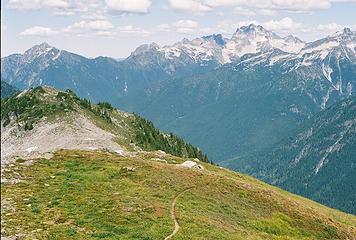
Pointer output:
x,y
116,27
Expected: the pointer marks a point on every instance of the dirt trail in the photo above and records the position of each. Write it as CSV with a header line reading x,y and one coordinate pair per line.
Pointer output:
x,y
173,214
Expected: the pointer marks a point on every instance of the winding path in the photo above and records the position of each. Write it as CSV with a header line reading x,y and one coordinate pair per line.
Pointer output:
x,y
173,214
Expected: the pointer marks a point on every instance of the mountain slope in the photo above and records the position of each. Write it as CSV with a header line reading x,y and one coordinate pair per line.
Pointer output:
x,y
252,103
43,120
76,170
7,90
90,195
317,161
47,65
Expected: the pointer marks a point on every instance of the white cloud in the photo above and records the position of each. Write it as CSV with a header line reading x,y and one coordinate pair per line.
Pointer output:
x,y
291,5
189,6
223,3
38,31
63,13
244,11
25,4
330,27
104,33
267,12
128,6
58,7
284,24
185,26
129,29
86,26
94,16
198,6
164,27
38,4
99,25
56,3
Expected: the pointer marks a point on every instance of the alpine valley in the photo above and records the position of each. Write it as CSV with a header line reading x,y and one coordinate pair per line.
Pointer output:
x,y
246,101
317,160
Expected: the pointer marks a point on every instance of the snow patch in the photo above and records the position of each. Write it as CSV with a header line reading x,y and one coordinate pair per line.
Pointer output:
x,y
327,71
57,55
22,93
334,147
119,151
125,88
352,46
31,149
349,88
326,98
324,46
301,154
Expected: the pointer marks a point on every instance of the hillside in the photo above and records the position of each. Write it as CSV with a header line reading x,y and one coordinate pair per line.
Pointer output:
x,y
76,170
43,119
102,195
317,161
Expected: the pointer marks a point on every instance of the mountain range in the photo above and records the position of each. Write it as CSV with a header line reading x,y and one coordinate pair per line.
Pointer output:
x,y
235,98
256,85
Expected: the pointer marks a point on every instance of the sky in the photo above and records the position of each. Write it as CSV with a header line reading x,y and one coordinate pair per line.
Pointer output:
x,y
115,28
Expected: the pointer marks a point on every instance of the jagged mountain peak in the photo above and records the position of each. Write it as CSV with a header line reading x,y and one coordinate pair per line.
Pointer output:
x,y
347,31
253,31
250,39
217,38
145,47
345,38
293,39
251,28
42,45
345,35
40,48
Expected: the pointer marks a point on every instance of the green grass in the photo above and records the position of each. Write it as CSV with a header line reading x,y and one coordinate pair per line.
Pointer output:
x,y
91,195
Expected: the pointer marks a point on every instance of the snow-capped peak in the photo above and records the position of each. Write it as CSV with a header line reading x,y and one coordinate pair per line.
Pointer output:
x,y
246,40
342,36
292,39
249,39
346,38
253,32
252,39
347,31
217,38
39,50
145,48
